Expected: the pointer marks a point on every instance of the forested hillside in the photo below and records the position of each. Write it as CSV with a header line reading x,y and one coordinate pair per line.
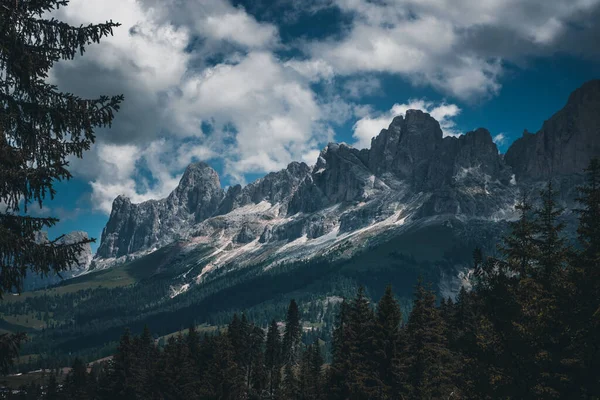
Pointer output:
x,y
528,329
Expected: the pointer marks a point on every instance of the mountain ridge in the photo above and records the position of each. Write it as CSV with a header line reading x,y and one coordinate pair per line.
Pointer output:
x,y
411,174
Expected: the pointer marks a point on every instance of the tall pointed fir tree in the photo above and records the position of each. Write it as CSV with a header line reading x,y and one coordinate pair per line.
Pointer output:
x,y
194,347
256,373
239,332
360,333
40,128
310,373
291,383
121,371
338,387
273,360
553,249
292,337
52,388
520,247
387,336
499,288
428,362
145,363
585,290
77,383
176,373
221,379
540,296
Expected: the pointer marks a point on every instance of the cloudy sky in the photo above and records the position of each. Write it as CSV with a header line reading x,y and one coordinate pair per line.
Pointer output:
x,y
249,86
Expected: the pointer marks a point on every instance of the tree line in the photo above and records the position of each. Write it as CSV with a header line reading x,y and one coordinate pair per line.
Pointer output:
x,y
528,329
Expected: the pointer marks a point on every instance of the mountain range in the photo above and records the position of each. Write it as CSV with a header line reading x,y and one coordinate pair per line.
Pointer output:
x,y
411,181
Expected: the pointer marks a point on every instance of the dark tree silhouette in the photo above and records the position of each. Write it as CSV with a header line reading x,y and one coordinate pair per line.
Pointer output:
x,y
40,127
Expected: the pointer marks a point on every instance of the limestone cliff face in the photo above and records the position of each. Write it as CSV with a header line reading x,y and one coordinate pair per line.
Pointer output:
x,y
134,227
566,141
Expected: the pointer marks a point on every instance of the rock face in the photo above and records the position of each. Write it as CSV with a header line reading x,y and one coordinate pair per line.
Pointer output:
x,y
83,261
566,141
410,174
134,227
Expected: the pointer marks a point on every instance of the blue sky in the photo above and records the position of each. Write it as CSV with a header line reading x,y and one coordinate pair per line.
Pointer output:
x,y
249,86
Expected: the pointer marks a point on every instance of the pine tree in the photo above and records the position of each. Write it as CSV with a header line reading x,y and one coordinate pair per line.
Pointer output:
x,y
52,388
553,249
273,359
193,343
520,247
472,375
121,372
40,128
222,379
388,319
256,374
542,323
589,214
310,373
292,337
338,385
428,361
76,382
505,289
145,357
584,301
360,333
291,384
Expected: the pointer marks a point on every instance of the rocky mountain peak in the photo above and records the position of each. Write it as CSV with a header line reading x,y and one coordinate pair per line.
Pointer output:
x,y
199,191
411,170
565,143
406,148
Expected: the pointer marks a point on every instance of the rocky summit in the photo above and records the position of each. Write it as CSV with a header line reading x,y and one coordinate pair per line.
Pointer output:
x,y
411,176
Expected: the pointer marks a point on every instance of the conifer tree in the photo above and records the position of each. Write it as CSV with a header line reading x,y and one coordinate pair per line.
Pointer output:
x,y
52,388
338,385
542,323
193,343
360,333
121,371
256,373
222,379
291,384
505,290
273,359
553,249
387,335
144,363
428,361
585,290
292,337
76,382
520,247
40,128
310,372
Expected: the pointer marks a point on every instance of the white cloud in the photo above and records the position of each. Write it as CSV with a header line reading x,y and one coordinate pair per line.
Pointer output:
x,y
427,41
499,139
359,87
366,128
276,115
238,27
262,110
119,170
216,21
313,70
